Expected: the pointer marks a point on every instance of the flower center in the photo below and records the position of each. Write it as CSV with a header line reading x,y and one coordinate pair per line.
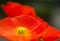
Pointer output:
x,y
22,31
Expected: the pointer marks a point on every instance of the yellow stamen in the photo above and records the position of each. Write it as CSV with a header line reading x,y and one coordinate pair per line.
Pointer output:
x,y
22,31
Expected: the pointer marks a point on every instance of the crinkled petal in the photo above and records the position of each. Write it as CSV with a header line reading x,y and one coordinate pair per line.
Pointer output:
x,y
26,21
6,26
51,32
13,9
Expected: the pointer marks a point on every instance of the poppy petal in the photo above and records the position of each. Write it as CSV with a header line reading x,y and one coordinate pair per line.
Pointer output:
x,y
51,32
26,21
6,33
50,38
13,9
7,23
6,27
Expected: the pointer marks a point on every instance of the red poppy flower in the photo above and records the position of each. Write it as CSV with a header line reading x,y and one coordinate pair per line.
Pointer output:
x,y
23,25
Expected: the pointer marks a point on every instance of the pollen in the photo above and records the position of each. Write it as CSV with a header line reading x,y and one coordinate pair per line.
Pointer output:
x,y
22,31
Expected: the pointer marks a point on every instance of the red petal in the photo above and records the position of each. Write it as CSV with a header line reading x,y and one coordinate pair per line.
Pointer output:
x,y
13,9
6,27
51,32
34,39
41,29
7,23
50,38
26,21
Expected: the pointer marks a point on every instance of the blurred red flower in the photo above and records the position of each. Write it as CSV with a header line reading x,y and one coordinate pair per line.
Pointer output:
x,y
22,24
